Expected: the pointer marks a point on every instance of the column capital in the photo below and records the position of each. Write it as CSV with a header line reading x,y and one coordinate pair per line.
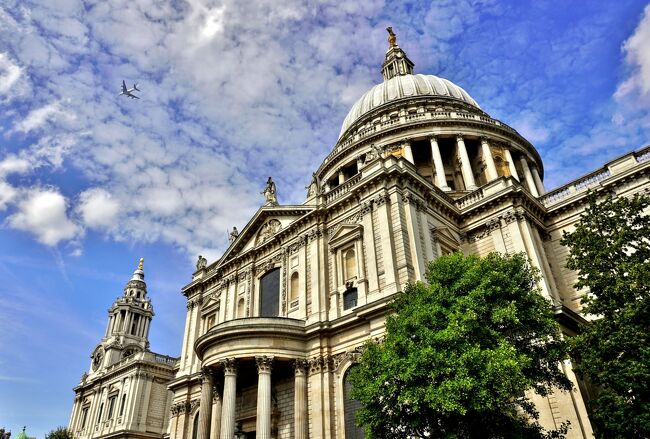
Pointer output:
x,y
229,366
206,374
264,363
460,137
300,367
434,137
484,139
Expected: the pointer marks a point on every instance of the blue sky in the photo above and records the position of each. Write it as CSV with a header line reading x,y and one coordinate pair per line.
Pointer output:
x,y
233,92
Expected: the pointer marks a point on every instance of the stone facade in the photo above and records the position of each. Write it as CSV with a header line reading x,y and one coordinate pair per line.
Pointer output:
x,y
124,394
418,171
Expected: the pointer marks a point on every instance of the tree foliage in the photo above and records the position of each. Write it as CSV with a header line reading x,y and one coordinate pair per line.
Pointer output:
x,y
459,353
610,250
59,433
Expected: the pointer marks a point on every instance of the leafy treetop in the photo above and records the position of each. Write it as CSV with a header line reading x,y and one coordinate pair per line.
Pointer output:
x,y
460,352
610,250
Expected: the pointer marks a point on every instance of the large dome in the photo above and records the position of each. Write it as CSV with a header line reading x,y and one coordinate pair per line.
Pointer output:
x,y
404,86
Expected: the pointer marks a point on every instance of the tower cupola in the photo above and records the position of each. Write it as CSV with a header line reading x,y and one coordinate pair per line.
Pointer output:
x,y
396,62
129,319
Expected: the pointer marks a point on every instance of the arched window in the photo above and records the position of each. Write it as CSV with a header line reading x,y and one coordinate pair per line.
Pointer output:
x,y
241,308
294,287
195,426
350,264
270,294
350,408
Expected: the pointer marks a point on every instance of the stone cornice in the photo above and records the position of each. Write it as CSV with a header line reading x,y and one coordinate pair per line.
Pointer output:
x,y
310,225
142,368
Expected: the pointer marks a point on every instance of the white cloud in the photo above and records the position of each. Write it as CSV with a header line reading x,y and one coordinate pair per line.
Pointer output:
x,y
38,117
7,194
43,213
98,209
232,93
637,55
529,126
13,164
9,73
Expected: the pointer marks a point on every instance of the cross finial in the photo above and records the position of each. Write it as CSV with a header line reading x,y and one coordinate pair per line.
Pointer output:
x,y
141,264
392,38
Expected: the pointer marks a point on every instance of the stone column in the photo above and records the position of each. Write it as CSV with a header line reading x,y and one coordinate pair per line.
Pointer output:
x,y
466,166
263,427
359,163
229,398
408,152
528,176
300,400
489,160
441,179
511,165
205,407
341,176
538,181
216,414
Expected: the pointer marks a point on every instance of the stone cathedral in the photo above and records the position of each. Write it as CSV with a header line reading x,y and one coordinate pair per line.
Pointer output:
x,y
275,324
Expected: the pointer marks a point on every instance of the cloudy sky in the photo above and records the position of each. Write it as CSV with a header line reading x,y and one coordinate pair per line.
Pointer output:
x,y
232,92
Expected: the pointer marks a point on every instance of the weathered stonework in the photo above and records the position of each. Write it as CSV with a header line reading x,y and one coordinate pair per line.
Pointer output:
x,y
411,178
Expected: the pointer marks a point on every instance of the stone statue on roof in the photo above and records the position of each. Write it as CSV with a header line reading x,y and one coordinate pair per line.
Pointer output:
x,y
233,235
270,193
201,263
392,38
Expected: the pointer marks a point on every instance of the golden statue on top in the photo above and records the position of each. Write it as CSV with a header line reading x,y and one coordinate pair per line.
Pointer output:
x,y
392,38
141,264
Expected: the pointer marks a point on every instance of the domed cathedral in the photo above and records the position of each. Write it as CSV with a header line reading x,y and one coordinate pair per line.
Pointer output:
x,y
419,171
124,393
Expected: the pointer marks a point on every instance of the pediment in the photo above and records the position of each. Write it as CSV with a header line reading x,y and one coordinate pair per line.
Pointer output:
x,y
345,233
263,227
446,237
211,304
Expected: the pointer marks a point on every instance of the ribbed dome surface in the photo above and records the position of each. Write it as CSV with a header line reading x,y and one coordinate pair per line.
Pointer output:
x,y
404,86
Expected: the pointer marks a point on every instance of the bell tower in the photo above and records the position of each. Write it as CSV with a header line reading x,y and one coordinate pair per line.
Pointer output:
x,y
129,319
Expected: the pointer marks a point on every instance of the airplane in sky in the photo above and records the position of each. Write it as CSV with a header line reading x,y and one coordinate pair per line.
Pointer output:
x,y
129,91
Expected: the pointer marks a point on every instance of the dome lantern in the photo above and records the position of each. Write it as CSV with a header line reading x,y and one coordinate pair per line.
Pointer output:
x,y
396,62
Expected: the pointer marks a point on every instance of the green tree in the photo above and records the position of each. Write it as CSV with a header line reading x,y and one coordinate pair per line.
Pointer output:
x,y
59,433
460,352
610,250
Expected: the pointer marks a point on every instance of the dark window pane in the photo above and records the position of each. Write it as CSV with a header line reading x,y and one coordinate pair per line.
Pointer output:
x,y
270,302
350,407
195,426
350,298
